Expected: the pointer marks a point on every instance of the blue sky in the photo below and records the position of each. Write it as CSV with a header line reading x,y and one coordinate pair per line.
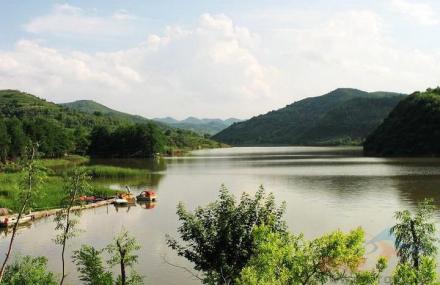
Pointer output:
x,y
215,58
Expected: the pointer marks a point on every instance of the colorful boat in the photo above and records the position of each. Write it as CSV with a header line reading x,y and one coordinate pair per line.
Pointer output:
x,y
148,196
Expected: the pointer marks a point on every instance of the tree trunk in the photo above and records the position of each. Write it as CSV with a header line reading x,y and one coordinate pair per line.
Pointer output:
x,y
416,251
14,232
122,262
66,230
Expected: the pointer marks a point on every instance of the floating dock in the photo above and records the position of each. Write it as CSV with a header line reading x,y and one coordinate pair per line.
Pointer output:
x,y
11,220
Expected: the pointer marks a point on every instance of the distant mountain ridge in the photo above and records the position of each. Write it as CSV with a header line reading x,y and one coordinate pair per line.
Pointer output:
x,y
343,116
202,126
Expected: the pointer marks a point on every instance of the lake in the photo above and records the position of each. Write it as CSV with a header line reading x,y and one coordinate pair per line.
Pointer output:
x,y
325,188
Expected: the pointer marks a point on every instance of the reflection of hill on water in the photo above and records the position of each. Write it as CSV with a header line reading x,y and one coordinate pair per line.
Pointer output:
x,y
409,189
138,182
153,165
414,189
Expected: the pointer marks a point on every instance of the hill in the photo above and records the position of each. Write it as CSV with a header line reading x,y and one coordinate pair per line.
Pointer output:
x,y
60,129
201,126
411,129
92,107
343,116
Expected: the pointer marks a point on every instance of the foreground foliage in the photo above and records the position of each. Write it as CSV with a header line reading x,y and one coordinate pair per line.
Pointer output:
x,y
218,239
282,259
90,266
122,251
28,270
415,234
33,177
76,185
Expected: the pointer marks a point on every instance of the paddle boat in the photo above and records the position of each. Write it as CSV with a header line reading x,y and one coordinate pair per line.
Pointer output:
x,y
147,196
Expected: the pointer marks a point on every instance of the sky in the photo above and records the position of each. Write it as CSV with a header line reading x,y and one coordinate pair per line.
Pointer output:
x,y
215,58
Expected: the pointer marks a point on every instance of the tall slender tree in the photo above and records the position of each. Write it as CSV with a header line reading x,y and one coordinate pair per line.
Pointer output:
x,y
76,186
33,177
122,253
415,234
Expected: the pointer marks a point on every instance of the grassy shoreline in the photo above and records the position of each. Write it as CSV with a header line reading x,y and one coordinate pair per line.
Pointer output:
x,y
52,190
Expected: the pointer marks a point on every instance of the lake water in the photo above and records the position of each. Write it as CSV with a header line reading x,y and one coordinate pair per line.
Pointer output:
x,y
325,188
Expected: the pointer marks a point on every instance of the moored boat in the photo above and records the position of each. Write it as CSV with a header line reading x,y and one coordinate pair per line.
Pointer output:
x,y
10,221
147,195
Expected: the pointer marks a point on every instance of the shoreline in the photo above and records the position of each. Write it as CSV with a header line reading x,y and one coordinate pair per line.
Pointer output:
x,y
47,213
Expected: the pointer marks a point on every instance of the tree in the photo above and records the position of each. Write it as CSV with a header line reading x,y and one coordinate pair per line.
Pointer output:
x,y
406,274
76,186
286,259
122,253
5,141
28,270
19,140
218,239
90,266
415,234
33,177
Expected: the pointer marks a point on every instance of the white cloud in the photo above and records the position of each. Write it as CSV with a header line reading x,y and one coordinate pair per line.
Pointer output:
x,y
421,12
65,19
210,68
352,50
216,68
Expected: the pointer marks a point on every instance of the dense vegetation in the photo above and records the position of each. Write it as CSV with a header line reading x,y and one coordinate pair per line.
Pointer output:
x,y
343,116
411,129
201,126
58,130
247,243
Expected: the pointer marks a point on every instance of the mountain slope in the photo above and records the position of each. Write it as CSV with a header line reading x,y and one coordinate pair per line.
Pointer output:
x,y
67,130
411,129
92,107
340,117
201,126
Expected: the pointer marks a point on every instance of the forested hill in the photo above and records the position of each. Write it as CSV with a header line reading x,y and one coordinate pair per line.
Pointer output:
x,y
411,129
201,126
25,118
94,108
343,116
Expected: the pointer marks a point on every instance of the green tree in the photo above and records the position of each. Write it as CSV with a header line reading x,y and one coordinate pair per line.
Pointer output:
x,y
28,270
5,141
19,140
90,266
415,234
76,186
286,259
122,251
33,177
218,239
406,274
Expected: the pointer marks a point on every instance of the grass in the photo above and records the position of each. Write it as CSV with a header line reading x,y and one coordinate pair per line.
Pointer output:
x,y
65,162
105,171
50,195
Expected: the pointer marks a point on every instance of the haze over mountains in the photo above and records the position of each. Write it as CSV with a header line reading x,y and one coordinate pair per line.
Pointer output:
x,y
343,116
201,126
204,126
